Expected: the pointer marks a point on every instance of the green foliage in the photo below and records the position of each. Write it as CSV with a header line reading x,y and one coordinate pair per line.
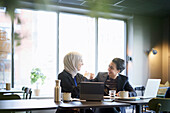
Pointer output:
x,y
17,38
10,6
96,6
37,74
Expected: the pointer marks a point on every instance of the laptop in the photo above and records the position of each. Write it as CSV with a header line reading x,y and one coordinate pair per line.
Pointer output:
x,y
151,88
91,91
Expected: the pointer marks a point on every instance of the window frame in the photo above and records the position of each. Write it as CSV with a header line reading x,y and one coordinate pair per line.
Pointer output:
x,y
78,11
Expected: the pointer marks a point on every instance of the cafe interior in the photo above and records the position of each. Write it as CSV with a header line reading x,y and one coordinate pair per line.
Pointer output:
x,y
36,35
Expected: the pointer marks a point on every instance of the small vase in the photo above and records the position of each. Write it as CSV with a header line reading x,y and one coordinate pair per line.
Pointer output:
x,y
37,92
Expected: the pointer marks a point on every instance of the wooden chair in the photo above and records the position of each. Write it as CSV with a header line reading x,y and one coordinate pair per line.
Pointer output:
x,y
159,105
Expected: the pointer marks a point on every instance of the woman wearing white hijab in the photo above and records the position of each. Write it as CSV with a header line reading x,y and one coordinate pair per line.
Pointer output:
x,y
70,78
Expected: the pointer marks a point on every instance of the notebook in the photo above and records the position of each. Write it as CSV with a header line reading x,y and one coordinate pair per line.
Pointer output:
x,y
91,91
151,88
127,98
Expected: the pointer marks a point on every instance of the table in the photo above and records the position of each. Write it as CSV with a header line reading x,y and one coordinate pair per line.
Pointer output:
x,y
137,103
42,104
24,105
91,104
10,91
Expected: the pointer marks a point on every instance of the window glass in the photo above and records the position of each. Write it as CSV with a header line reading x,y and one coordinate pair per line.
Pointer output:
x,y
77,33
5,48
37,49
111,42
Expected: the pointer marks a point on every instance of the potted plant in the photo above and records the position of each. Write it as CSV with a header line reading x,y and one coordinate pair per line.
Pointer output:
x,y
36,77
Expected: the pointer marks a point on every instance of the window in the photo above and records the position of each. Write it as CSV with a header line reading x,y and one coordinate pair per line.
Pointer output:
x,y
37,49
77,33
43,48
111,42
5,49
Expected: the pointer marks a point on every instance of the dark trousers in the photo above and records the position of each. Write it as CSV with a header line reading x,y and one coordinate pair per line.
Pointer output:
x,y
106,110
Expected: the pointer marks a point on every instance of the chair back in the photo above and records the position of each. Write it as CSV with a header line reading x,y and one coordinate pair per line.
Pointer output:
x,y
27,93
142,89
159,104
10,97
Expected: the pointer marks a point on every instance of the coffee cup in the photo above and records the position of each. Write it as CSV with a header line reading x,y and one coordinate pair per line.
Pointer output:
x,y
8,86
112,93
66,96
123,94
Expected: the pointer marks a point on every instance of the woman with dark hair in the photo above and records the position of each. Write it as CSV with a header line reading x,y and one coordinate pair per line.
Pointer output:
x,y
114,80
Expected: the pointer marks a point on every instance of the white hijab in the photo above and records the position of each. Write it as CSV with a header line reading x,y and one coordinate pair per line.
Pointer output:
x,y
71,61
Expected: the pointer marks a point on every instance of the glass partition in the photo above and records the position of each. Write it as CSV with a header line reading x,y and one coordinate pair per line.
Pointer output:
x,y
5,49
37,49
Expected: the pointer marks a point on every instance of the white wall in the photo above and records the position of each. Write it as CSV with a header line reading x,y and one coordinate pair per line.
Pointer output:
x,y
146,34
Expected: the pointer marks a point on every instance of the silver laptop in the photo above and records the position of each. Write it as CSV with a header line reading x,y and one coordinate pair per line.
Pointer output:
x,y
151,88
91,91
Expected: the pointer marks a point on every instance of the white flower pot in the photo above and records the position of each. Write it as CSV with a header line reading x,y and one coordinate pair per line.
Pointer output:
x,y
37,92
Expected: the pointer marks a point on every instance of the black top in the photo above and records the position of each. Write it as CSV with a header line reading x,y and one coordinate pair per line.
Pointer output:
x,y
68,84
111,83
122,83
167,94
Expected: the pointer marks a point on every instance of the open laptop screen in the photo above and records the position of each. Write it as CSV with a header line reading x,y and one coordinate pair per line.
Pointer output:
x,y
91,91
152,87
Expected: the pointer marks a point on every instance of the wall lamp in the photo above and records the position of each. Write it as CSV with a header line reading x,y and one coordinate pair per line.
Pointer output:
x,y
129,58
153,51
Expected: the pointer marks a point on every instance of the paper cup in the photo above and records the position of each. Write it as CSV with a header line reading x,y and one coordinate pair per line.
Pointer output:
x,y
66,96
123,94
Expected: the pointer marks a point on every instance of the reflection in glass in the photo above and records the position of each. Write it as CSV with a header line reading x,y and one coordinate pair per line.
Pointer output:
x,y
5,49
37,49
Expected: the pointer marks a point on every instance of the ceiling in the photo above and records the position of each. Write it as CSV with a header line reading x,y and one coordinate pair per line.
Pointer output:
x,y
140,7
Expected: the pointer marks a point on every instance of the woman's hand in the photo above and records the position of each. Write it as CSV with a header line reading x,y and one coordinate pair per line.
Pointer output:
x,y
91,76
86,74
117,94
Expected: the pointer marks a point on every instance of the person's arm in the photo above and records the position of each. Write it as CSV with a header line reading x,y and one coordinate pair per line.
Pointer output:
x,y
65,84
95,79
129,88
167,94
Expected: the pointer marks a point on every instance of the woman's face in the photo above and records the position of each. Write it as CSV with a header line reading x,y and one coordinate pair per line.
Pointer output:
x,y
112,70
79,65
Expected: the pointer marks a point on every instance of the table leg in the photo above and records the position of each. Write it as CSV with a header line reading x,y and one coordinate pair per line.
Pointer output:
x,y
138,109
82,110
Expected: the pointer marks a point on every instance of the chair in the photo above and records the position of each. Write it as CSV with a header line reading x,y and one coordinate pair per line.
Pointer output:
x,y
159,104
142,89
27,93
10,97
